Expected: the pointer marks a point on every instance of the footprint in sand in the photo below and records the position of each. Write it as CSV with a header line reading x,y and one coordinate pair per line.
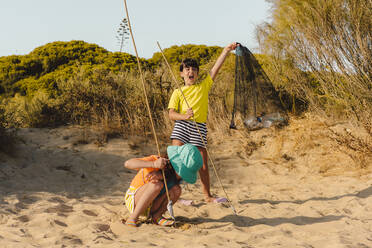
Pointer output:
x,y
24,202
29,199
61,208
56,199
101,227
68,241
90,213
23,218
60,223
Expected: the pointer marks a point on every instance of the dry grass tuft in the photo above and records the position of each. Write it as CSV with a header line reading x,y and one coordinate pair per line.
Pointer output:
x,y
310,145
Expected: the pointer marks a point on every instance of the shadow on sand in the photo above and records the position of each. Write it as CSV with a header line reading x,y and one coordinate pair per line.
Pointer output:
x,y
244,221
64,172
365,193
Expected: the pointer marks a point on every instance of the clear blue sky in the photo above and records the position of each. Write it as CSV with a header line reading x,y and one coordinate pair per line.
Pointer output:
x,y
27,24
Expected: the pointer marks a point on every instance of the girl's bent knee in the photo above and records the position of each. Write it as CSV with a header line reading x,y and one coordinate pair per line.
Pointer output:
x,y
157,186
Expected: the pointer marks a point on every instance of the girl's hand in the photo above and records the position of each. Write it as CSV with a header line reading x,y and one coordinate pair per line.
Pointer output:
x,y
160,163
154,176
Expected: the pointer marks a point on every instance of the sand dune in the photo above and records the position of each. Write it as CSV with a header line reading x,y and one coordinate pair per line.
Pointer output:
x,y
296,187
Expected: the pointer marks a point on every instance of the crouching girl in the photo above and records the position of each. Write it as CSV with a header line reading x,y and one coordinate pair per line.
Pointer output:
x,y
146,194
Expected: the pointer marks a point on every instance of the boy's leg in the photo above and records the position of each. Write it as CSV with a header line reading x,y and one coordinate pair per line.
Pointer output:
x,y
143,198
204,175
176,142
159,206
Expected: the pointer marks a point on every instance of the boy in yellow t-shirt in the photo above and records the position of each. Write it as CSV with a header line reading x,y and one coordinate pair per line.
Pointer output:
x,y
196,94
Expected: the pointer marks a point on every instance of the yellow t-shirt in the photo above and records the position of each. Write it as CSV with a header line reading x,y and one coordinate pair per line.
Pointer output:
x,y
197,97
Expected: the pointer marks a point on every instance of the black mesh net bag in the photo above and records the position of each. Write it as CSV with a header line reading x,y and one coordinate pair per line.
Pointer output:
x,y
256,102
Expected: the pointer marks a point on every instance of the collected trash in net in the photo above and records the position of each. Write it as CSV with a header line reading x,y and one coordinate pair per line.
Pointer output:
x,y
256,102
255,123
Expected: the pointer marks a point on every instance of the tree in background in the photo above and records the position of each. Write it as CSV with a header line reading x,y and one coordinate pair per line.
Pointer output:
x,y
321,51
122,33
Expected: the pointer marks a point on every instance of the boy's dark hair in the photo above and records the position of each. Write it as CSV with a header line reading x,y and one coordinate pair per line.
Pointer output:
x,y
189,63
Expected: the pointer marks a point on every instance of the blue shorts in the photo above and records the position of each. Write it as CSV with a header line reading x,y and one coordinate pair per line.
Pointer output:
x,y
187,133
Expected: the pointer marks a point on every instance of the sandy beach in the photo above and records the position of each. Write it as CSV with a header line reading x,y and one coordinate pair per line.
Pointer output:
x,y
293,187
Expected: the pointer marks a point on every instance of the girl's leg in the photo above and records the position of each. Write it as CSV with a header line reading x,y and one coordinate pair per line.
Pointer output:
x,y
159,205
143,198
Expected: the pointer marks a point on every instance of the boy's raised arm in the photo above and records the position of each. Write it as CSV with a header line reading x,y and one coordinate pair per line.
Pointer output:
x,y
221,59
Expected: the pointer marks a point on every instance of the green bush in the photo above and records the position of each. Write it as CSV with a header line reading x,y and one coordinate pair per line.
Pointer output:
x,y
23,111
175,54
45,65
77,82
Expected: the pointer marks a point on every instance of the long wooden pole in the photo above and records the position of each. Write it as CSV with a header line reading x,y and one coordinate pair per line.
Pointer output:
x,y
146,99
